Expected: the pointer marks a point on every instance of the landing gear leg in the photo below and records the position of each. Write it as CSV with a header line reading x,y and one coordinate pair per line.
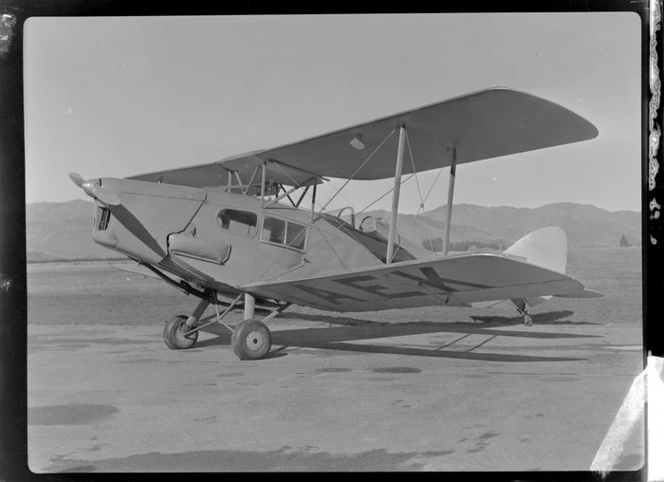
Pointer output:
x,y
527,320
178,334
174,334
249,306
251,339
521,308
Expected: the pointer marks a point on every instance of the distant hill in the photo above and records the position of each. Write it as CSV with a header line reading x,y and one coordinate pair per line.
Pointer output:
x,y
419,227
585,225
63,231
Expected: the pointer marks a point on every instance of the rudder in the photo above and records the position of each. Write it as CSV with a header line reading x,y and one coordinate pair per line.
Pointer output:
x,y
546,247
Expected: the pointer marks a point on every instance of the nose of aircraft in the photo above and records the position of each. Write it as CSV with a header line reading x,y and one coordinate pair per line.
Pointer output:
x,y
84,184
92,187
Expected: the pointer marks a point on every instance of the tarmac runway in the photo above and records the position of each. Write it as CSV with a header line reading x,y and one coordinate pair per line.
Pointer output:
x,y
345,396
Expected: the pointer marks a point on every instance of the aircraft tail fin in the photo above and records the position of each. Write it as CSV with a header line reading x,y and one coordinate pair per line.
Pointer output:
x,y
546,247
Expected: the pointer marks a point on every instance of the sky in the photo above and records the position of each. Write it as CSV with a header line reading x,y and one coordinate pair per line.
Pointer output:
x,y
119,96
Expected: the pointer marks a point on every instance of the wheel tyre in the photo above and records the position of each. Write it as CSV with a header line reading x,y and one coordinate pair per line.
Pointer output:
x,y
173,336
251,340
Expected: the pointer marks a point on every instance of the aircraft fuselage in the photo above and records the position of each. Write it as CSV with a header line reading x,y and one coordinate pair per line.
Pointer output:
x,y
221,240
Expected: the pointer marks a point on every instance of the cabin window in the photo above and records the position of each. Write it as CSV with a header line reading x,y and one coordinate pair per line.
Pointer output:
x,y
103,217
238,222
274,230
285,233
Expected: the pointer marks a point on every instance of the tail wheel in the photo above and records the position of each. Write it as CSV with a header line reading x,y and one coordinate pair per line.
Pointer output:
x,y
251,340
173,334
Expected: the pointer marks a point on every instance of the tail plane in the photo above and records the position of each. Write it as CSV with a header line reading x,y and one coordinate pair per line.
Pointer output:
x,y
546,247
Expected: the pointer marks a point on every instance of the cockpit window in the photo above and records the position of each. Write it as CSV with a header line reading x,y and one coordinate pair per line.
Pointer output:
x,y
286,233
238,222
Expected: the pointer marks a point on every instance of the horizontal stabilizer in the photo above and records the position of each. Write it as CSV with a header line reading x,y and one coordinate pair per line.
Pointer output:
x,y
546,247
586,293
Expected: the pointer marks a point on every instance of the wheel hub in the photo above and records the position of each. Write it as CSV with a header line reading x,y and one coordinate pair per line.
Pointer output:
x,y
255,341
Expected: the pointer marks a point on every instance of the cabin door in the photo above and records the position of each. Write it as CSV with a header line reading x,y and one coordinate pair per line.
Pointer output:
x,y
281,247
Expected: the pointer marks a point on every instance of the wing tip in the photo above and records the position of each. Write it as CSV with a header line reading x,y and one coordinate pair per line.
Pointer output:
x,y
587,129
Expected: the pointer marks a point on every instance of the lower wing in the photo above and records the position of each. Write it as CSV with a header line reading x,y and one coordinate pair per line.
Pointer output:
x,y
453,280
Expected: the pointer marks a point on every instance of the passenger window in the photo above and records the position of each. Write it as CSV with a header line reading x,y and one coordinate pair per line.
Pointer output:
x,y
274,230
238,222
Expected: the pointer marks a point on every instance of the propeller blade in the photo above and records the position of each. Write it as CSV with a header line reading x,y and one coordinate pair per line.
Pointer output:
x,y
77,179
92,188
106,196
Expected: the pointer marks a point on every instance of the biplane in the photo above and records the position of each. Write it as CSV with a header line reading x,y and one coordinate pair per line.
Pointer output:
x,y
236,233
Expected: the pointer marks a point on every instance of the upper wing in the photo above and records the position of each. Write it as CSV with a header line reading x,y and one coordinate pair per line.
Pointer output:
x,y
222,173
485,124
453,280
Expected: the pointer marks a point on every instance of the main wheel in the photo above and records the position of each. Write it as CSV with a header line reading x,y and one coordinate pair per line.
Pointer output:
x,y
251,340
173,336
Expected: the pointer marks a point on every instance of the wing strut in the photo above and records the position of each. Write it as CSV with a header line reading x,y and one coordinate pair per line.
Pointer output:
x,y
249,306
395,196
450,199
263,173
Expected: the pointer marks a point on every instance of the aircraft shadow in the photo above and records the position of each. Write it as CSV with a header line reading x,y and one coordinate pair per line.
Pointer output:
x,y
345,330
550,318
555,318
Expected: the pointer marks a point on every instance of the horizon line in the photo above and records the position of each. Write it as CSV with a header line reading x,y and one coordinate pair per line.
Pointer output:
x,y
414,213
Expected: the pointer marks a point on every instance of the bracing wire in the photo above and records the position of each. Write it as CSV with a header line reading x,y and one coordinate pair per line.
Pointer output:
x,y
311,224
340,194
381,197
412,160
309,195
431,188
359,168
291,178
414,174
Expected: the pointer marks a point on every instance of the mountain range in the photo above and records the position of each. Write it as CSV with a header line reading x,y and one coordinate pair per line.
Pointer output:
x,y
586,226
62,231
